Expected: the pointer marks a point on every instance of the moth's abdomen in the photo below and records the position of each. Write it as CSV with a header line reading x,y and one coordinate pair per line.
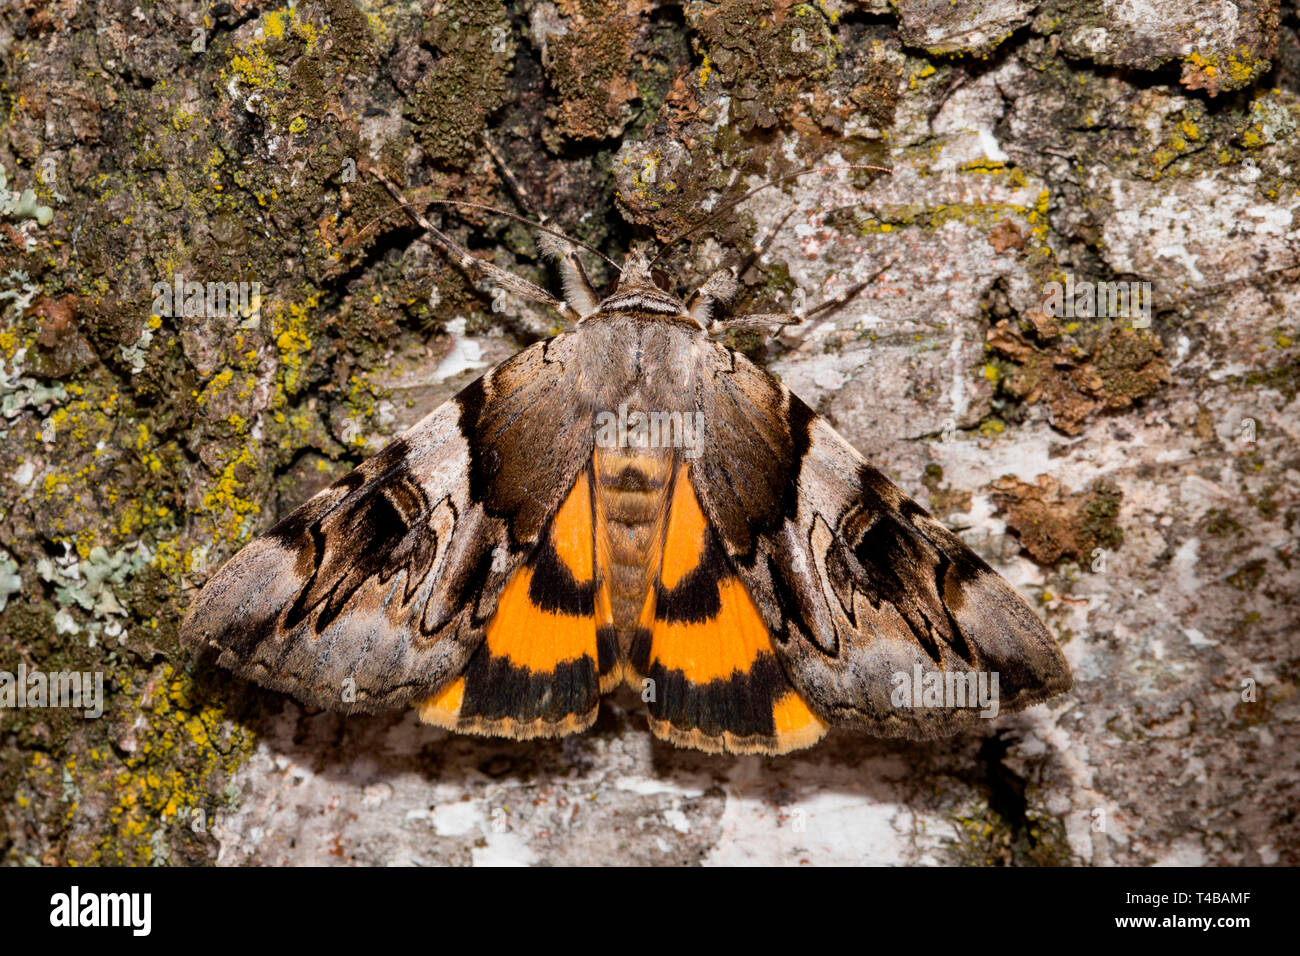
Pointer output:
x,y
631,501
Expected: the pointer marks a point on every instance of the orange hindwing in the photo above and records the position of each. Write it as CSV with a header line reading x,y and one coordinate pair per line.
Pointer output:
x,y
714,682
535,674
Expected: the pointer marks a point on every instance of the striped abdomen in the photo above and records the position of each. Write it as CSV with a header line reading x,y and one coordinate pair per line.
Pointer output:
x,y
631,498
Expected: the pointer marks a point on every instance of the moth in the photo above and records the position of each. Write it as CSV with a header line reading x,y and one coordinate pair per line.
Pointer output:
x,y
511,558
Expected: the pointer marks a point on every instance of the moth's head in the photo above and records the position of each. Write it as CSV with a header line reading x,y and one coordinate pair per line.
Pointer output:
x,y
636,272
642,288
639,288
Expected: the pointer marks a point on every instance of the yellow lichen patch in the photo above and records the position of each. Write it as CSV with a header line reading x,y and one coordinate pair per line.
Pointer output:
x,y
225,509
218,383
10,343
983,214
289,325
156,790
273,23
179,747
252,63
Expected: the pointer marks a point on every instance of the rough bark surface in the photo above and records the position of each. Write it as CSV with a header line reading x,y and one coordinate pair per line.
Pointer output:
x,y
1138,484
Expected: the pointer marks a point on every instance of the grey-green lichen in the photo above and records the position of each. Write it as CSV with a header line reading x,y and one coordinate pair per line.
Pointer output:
x,y
20,206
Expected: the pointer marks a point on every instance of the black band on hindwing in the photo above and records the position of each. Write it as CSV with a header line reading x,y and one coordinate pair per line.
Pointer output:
x,y
695,598
741,704
496,689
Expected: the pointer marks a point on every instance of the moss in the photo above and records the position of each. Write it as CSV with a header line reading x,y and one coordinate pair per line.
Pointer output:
x,y
1053,525
987,838
754,69
595,74
1220,523
766,56
943,499
467,82
1100,365
1098,525
1284,377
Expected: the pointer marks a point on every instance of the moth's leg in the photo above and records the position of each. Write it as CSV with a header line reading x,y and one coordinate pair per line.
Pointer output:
x,y
763,244
779,320
721,286
578,290
717,290
758,321
502,277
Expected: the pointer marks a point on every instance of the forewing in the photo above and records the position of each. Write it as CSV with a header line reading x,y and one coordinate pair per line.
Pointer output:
x,y
379,590
856,582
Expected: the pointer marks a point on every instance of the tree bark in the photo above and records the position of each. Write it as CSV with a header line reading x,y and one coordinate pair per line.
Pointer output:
x,y
1133,471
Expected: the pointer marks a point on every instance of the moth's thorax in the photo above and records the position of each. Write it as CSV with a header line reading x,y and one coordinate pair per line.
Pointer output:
x,y
647,301
645,361
637,292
